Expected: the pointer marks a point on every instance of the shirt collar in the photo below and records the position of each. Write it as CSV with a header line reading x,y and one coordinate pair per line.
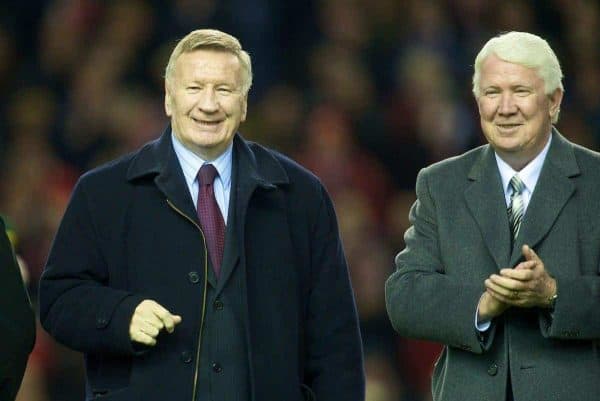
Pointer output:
x,y
191,162
529,174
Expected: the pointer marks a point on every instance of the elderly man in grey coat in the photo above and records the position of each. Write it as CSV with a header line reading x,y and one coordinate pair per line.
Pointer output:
x,y
502,262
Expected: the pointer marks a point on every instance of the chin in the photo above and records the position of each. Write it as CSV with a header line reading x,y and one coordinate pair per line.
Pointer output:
x,y
509,147
208,138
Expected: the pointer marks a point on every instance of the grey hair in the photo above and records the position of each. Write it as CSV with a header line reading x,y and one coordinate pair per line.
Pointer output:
x,y
211,39
525,49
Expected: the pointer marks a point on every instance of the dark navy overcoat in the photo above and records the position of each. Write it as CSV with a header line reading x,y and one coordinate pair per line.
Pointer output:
x,y
129,233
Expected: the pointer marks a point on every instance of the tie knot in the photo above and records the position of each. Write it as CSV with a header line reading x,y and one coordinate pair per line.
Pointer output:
x,y
207,174
516,184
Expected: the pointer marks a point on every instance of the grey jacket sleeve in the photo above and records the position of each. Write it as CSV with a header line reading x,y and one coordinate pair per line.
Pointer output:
x,y
423,301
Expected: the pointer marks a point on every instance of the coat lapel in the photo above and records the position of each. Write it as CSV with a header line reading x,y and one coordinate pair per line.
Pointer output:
x,y
251,171
553,190
485,199
254,169
158,159
172,183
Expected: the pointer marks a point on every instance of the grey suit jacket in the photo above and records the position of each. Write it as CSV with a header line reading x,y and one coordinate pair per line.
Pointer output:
x,y
460,235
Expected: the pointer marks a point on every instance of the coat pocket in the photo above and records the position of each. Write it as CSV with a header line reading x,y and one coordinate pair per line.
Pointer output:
x,y
124,394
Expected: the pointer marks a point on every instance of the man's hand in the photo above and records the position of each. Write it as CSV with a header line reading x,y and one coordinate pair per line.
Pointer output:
x,y
527,285
148,319
489,307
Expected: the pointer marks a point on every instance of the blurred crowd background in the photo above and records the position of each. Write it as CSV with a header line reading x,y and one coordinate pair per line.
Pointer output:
x,y
362,92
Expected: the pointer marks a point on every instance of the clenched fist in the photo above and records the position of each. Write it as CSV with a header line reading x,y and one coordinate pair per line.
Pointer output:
x,y
148,319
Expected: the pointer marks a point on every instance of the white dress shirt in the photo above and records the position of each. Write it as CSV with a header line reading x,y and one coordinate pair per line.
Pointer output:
x,y
191,163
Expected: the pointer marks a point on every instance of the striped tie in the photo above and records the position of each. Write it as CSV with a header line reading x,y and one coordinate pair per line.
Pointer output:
x,y
516,209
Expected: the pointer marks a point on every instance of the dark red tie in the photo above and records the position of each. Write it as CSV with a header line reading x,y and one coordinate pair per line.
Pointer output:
x,y
210,216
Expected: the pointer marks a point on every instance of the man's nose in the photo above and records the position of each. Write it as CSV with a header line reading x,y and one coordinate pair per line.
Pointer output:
x,y
507,105
208,101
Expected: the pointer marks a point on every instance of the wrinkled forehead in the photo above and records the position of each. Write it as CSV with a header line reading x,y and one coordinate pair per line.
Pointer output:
x,y
213,60
493,68
208,62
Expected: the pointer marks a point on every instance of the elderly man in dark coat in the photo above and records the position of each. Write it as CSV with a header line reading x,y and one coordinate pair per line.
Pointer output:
x,y
203,266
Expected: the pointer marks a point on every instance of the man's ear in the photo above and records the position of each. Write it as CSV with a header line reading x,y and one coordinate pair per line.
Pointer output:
x,y
555,100
167,100
244,108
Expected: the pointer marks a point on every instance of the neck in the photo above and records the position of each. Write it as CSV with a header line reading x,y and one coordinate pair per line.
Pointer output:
x,y
515,162
522,157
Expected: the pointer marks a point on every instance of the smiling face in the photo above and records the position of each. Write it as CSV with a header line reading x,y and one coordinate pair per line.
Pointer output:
x,y
515,112
206,101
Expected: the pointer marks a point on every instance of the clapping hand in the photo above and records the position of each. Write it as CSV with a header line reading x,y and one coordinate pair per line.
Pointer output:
x,y
527,285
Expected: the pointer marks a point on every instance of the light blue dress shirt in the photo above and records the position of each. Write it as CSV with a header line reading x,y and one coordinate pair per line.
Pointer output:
x,y
191,163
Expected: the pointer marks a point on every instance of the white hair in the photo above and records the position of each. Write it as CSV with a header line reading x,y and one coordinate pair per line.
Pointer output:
x,y
525,49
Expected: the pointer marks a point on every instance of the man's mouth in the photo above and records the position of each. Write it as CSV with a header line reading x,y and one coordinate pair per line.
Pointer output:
x,y
209,124
508,125
508,128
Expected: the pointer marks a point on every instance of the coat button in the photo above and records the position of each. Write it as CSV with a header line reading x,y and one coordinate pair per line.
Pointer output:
x,y
216,367
493,369
193,277
101,322
186,356
218,304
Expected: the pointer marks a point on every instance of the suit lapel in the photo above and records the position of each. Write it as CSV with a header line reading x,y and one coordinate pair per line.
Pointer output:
x,y
231,253
485,199
552,191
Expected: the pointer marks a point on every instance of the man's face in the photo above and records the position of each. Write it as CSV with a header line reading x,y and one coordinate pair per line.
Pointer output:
x,y
205,100
514,111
